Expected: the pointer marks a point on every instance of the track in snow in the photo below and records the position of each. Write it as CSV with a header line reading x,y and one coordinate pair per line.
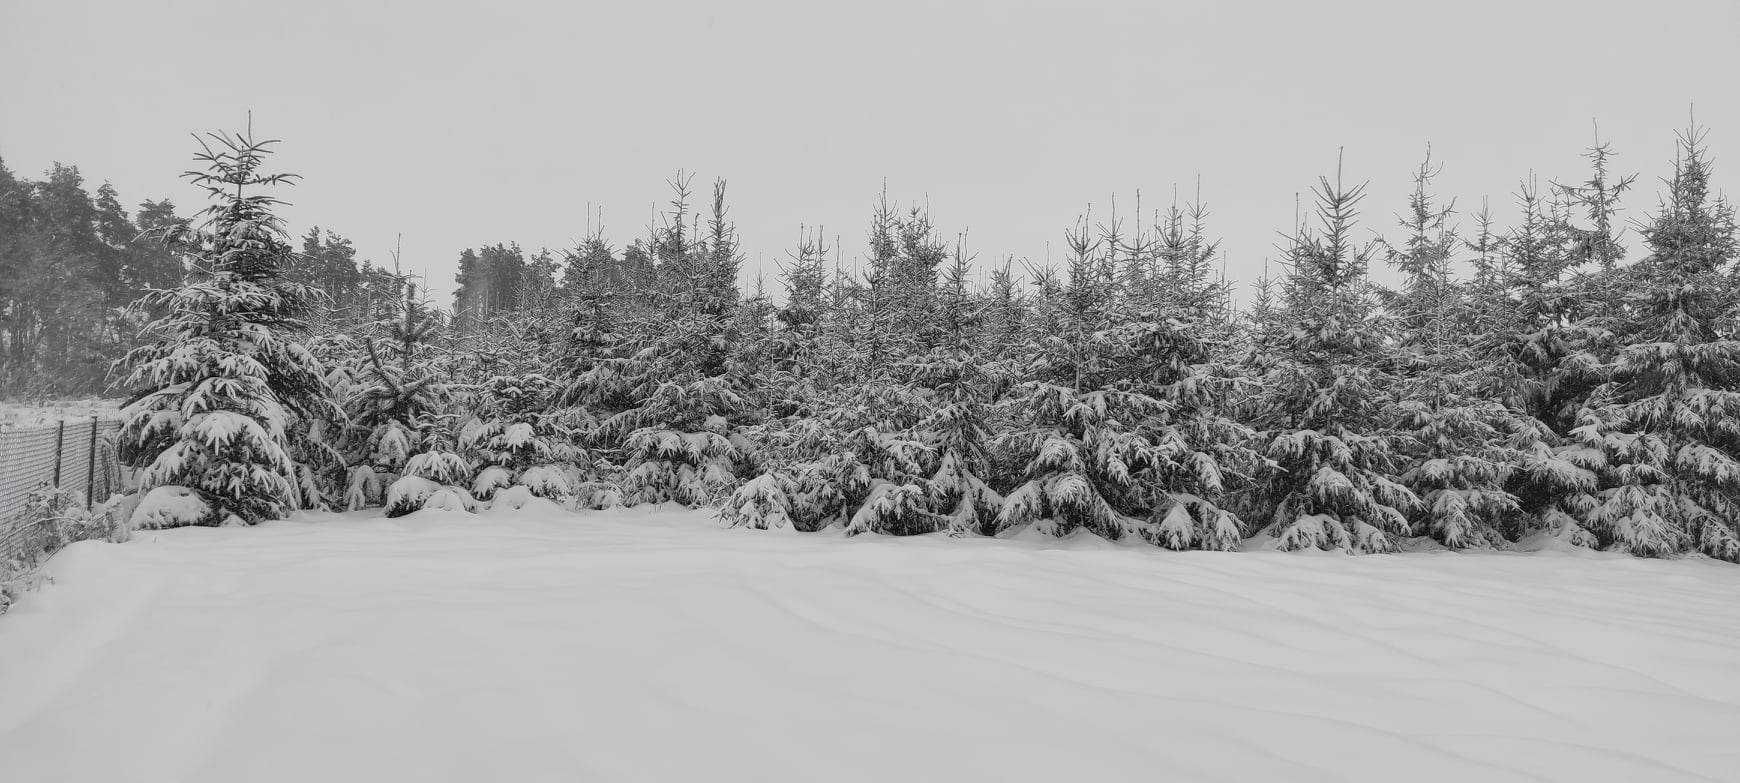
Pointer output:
x,y
651,646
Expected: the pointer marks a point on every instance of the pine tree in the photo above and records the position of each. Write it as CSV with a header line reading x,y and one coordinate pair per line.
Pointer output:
x,y
804,279
857,446
1545,367
912,283
693,277
471,298
437,475
718,274
1118,431
1081,458
1329,479
1001,333
117,233
1457,441
224,386
517,440
1668,421
1168,353
956,408
151,263
1491,313
761,503
328,263
1196,447
65,335
874,481
598,381
592,268
1184,262
537,288
1076,439
1597,244
1262,321
681,445
398,401
505,266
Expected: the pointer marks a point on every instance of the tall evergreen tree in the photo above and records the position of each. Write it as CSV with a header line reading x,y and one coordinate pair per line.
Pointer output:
x,y
1668,421
1457,440
225,388
1330,481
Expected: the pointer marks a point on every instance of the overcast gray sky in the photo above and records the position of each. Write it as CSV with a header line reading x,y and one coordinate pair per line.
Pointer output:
x,y
461,124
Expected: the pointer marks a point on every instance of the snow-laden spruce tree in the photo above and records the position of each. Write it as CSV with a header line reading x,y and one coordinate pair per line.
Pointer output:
x,y
1668,421
956,395
1198,451
954,427
588,351
1183,281
1457,442
999,333
516,440
1596,245
853,445
840,441
859,464
1553,360
224,394
601,375
394,401
791,370
791,377
682,443
1123,431
1079,455
1540,356
603,380
761,503
438,475
1326,409
875,478
1074,439
858,445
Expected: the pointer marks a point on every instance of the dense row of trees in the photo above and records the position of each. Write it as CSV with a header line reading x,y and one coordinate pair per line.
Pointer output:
x,y
1519,383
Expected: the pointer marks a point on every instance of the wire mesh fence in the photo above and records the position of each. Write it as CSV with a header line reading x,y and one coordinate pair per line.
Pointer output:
x,y
76,456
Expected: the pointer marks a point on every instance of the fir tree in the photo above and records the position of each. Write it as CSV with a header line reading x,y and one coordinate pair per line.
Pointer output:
x,y
1545,367
1329,479
1668,421
1456,440
1598,243
516,439
396,403
1196,446
957,406
1118,434
681,447
224,387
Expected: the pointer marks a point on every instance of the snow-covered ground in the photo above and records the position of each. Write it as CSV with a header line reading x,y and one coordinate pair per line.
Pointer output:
x,y
652,646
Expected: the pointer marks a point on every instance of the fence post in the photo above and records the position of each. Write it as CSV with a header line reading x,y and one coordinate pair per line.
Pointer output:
x,y
91,469
59,443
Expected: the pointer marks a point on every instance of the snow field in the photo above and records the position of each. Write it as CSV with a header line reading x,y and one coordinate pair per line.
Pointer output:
x,y
650,645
